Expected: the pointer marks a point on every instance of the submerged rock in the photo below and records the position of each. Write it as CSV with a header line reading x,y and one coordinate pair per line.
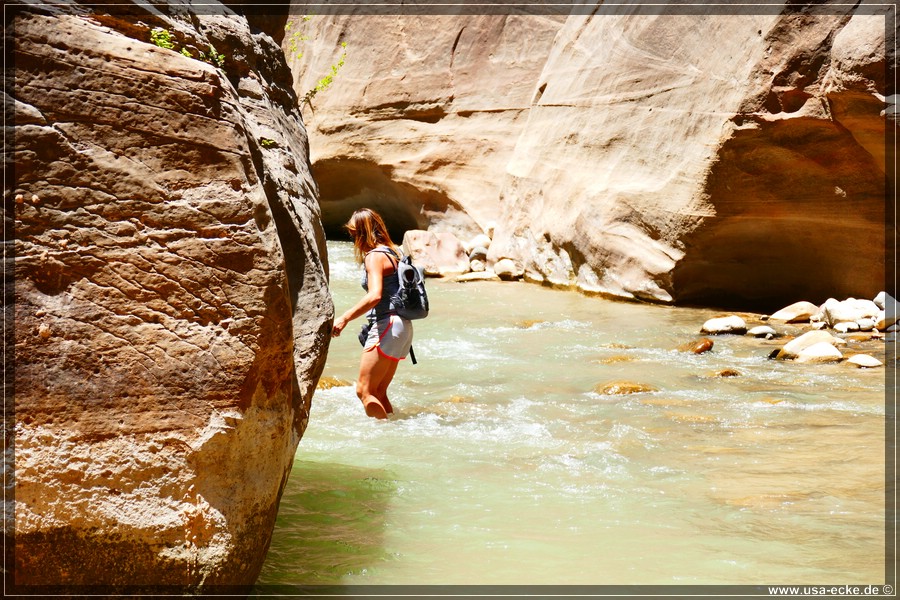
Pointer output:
x,y
623,387
326,383
697,346
486,275
728,373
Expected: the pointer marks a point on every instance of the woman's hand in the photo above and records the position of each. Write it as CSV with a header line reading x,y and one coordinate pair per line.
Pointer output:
x,y
338,326
375,271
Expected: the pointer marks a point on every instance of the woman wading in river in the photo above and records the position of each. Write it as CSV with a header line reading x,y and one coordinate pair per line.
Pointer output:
x,y
389,336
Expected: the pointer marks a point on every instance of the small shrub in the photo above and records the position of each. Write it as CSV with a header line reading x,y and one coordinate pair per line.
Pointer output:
x,y
213,57
162,38
324,83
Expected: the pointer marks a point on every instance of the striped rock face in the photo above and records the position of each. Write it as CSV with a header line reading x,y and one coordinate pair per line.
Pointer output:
x,y
696,157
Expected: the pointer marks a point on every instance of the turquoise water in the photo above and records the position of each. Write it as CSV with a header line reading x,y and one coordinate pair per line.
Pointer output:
x,y
504,465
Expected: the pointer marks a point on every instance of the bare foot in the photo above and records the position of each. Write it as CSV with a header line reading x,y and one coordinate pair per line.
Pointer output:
x,y
376,410
387,405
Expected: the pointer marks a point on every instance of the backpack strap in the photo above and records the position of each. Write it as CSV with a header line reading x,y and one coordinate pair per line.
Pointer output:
x,y
392,256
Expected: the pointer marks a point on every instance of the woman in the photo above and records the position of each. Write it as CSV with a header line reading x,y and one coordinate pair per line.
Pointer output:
x,y
390,336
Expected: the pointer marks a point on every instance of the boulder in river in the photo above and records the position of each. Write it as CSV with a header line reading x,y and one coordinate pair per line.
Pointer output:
x,y
819,352
478,253
846,326
720,325
793,348
850,310
864,361
507,269
797,312
763,331
437,253
479,241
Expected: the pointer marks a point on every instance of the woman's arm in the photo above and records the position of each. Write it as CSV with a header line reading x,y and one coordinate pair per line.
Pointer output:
x,y
374,269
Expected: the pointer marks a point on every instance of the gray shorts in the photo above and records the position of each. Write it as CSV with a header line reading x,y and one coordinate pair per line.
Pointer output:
x,y
392,336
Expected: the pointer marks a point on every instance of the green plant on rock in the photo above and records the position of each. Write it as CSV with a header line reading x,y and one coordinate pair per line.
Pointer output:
x,y
267,142
296,37
213,57
324,83
294,40
162,38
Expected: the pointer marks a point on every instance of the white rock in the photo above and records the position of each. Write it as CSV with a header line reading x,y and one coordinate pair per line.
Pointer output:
x,y
819,325
864,360
507,269
819,352
486,275
810,338
796,312
762,331
886,302
867,324
730,324
851,309
479,241
845,326
477,266
883,321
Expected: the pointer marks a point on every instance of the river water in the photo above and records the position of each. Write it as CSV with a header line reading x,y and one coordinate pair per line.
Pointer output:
x,y
503,463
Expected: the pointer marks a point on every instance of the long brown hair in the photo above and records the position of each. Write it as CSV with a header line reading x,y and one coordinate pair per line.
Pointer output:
x,y
368,232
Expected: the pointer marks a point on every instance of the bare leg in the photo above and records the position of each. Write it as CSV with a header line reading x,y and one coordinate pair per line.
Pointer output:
x,y
372,369
381,389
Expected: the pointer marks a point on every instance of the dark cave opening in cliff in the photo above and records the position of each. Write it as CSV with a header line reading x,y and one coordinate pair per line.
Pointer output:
x,y
348,185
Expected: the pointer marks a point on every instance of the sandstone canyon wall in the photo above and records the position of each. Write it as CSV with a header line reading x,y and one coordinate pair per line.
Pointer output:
x,y
660,154
171,307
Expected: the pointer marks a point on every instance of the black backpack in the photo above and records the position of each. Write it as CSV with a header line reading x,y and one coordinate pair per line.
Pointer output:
x,y
411,299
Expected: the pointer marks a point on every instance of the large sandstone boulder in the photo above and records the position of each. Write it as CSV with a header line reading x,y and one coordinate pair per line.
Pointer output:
x,y
707,159
171,305
438,254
